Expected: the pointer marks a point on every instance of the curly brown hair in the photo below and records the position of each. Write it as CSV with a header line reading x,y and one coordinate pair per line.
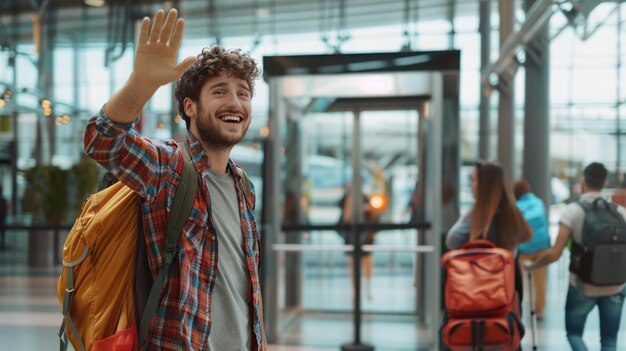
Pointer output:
x,y
211,63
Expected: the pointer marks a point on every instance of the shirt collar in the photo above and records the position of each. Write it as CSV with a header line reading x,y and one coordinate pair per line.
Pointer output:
x,y
195,148
591,195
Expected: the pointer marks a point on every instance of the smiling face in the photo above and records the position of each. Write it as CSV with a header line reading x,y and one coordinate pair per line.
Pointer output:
x,y
222,115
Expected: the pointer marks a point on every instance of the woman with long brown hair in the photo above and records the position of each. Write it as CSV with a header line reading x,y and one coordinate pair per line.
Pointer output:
x,y
494,216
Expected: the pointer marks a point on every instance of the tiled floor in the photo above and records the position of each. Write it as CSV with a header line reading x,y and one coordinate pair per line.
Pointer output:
x,y
29,315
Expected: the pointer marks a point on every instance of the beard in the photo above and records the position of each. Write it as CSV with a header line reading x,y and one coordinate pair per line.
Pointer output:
x,y
211,132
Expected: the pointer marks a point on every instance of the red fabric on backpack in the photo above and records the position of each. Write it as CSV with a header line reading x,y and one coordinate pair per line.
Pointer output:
x,y
125,340
480,279
492,333
482,306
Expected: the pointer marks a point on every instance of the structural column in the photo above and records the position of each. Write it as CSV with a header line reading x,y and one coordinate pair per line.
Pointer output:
x,y
44,25
451,15
484,132
292,211
272,216
506,106
536,168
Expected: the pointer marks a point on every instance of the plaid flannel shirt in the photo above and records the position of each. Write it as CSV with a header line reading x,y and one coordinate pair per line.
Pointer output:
x,y
153,169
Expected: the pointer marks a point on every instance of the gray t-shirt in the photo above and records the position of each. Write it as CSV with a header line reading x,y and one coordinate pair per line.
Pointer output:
x,y
230,312
574,217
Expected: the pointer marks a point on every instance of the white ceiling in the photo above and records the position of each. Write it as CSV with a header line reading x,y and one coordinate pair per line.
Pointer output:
x,y
246,17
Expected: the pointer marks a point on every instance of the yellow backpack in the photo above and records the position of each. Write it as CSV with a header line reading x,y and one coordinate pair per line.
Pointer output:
x,y
104,268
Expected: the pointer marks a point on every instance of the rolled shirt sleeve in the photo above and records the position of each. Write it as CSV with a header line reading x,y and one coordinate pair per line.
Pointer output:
x,y
138,162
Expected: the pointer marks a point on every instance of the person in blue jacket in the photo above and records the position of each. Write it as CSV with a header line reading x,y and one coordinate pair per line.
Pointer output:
x,y
534,212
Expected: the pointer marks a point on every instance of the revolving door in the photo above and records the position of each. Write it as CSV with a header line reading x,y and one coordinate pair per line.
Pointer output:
x,y
352,217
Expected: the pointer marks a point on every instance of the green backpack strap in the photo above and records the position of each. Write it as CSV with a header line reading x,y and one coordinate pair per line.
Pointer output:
x,y
179,213
247,185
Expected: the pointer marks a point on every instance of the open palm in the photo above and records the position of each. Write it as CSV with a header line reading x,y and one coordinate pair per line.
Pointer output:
x,y
157,48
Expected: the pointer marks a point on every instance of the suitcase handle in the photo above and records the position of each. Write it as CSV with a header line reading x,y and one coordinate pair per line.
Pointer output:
x,y
478,244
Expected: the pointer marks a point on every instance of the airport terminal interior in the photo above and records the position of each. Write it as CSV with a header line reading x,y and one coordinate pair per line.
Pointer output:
x,y
394,99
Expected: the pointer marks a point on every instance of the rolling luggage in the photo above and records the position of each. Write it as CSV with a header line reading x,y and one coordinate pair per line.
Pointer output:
x,y
481,305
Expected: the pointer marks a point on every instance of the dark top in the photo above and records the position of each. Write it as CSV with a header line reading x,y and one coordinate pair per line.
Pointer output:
x,y
368,217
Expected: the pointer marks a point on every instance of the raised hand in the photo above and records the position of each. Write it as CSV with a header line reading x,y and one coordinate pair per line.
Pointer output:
x,y
155,65
157,48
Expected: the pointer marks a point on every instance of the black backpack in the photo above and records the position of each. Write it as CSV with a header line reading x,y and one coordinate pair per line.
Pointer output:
x,y
600,258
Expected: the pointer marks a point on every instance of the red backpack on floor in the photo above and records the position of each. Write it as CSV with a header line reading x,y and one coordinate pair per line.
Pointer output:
x,y
482,306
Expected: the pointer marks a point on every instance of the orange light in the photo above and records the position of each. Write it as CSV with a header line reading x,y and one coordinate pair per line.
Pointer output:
x,y
379,201
264,132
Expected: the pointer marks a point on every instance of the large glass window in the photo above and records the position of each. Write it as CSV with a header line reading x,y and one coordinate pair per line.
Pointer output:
x,y
587,93
586,80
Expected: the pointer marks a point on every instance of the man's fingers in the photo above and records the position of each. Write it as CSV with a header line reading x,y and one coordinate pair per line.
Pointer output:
x,y
143,32
157,24
183,66
177,35
167,28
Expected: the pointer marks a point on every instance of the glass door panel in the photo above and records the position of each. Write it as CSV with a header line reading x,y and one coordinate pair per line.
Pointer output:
x,y
389,158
